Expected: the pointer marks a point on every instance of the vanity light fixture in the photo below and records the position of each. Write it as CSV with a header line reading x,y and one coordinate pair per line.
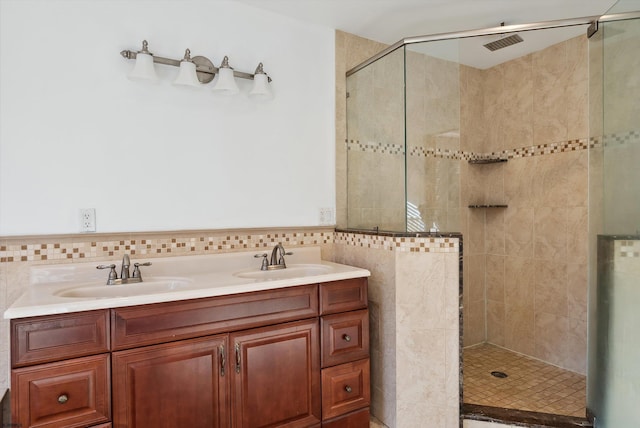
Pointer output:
x,y
260,88
226,83
197,71
187,75
144,69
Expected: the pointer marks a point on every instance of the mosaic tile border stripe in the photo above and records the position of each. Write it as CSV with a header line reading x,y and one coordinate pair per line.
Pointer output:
x,y
628,248
539,150
191,244
621,138
374,147
402,244
212,243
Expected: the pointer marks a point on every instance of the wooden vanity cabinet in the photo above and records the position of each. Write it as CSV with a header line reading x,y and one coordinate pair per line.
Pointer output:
x,y
276,358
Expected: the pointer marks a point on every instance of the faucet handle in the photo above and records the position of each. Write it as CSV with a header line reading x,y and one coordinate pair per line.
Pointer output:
x,y
112,273
136,269
265,262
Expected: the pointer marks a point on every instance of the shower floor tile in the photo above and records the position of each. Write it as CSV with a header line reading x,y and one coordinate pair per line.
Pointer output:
x,y
531,384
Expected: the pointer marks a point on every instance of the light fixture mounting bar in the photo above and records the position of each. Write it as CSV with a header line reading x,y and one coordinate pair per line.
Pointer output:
x,y
200,68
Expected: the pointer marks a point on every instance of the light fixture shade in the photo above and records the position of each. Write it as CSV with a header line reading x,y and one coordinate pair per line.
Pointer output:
x,y
226,83
144,69
187,75
261,88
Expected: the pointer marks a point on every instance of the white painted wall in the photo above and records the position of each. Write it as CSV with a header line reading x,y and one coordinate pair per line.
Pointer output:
x,y
76,133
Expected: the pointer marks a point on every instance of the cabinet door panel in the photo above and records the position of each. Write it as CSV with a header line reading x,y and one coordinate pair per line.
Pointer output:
x,y
345,337
166,322
345,388
180,384
276,381
73,393
58,337
358,419
342,296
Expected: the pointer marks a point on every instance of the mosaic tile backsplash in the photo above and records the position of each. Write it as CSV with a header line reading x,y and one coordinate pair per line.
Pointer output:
x,y
170,243
178,244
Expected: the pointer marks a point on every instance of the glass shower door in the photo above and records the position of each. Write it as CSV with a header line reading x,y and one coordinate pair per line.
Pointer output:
x,y
376,145
614,325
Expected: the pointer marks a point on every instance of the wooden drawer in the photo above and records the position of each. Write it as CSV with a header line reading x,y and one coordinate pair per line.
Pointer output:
x,y
73,393
164,322
345,337
345,388
57,337
358,419
342,296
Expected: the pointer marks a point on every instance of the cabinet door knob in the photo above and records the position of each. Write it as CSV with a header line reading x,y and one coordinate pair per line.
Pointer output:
x,y
347,388
63,399
346,337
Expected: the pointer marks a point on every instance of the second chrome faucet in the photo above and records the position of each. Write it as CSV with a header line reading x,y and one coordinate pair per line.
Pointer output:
x,y
277,258
125,276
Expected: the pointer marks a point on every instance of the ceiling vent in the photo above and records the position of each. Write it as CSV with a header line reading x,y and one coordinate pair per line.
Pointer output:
x,y
504,42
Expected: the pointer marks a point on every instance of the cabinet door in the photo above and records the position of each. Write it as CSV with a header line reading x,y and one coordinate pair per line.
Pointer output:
x,y
180,384
73,393
276,378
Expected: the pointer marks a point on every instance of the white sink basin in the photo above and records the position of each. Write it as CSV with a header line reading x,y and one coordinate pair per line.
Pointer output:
x,y
152,286
292,271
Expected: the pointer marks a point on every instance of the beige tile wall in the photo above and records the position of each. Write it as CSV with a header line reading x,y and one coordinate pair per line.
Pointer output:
x,y
414,310
525,266
535,251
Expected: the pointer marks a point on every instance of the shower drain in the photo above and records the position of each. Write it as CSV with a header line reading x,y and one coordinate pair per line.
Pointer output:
x,y
501,375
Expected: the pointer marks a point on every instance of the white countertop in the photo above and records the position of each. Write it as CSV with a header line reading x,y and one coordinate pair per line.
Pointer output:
x,y
169,279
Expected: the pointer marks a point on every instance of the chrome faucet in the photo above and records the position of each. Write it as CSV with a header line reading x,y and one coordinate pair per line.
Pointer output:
x,y
124,270
277,258
125,278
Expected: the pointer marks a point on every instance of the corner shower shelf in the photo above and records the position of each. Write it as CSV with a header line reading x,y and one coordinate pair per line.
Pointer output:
x,y
486,161
488,206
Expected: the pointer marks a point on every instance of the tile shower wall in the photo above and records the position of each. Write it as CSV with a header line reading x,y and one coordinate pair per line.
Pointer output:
x,y
528,263
414,310
18,254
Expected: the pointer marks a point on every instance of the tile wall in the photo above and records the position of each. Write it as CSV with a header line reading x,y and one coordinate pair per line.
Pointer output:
x,y
414,309
526,265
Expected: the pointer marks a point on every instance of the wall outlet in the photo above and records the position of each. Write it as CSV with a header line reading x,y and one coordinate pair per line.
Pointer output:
x,y
326,216
87,220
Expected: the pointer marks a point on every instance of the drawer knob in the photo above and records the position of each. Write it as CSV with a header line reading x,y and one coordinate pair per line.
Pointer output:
x,y
63,399
346,337
347,388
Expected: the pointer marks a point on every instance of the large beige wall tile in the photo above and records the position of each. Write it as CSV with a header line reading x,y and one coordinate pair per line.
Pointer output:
x,y
551,287
519,223
496,322
577,291
551,348
576,356
550,104
550,233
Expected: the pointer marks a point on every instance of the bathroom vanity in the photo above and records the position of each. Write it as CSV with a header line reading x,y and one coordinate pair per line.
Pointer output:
x,y
281,351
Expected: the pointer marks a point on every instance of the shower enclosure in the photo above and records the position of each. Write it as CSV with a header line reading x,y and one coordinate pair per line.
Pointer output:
x,y
614,323
501,146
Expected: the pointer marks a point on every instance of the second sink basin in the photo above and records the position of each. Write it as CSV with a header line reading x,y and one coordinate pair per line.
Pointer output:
x,y
292,271
152,286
